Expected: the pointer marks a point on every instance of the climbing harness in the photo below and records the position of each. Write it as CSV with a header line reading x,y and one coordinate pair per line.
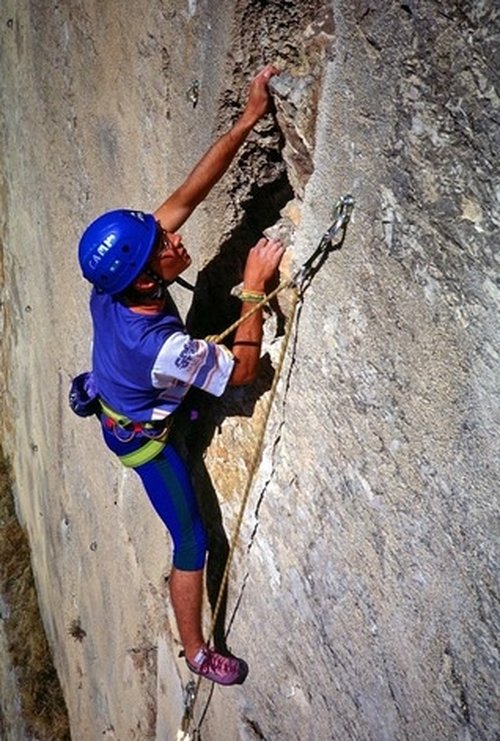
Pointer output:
x,y
126,430
298,281
85,402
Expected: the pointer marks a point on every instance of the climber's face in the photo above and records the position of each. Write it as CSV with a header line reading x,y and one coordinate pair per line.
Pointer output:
x,y
170,258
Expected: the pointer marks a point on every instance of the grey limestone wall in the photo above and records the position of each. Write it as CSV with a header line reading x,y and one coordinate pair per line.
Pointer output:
x,y
364,591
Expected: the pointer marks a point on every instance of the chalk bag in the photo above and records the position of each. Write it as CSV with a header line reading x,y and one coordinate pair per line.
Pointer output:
x,y
83,397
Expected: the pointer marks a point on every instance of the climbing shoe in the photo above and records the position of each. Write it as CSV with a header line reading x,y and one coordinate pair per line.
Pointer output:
x,y
213,665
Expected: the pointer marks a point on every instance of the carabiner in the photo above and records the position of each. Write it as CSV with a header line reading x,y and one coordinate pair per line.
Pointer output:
x,y
341,213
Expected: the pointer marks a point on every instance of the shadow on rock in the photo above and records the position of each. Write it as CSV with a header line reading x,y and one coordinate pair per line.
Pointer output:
x,y
213,309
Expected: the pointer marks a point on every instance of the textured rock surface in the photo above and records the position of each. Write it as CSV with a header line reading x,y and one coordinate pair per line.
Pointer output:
x,y
365,587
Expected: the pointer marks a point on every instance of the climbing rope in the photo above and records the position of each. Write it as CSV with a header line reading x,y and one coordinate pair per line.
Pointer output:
x,y
299,279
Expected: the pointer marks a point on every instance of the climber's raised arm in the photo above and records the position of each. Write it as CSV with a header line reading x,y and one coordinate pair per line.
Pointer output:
x,y
180,205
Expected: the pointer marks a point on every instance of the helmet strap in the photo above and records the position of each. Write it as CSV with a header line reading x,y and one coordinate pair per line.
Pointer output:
x,y
160,289
184,284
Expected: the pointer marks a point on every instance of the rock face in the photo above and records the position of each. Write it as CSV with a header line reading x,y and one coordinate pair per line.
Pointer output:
x,y
364,589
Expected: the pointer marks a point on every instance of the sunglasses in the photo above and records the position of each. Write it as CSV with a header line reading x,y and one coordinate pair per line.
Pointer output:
x,y
162,245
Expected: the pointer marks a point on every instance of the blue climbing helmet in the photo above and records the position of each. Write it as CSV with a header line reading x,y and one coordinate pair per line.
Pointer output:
x,y
115,248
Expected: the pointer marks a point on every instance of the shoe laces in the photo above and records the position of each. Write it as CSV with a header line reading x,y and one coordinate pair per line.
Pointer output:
x,y
217,662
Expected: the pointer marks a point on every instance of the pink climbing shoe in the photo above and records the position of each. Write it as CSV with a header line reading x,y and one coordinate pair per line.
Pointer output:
x,y
211,664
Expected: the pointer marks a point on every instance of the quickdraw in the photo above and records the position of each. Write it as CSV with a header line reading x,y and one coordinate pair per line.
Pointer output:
x,y
341,216
193,93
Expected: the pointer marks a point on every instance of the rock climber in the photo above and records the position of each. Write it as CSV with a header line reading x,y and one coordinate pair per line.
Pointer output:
x,y
144,362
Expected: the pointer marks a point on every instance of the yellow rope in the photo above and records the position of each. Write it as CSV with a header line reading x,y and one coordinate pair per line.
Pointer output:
x,y
258,450
188,717
342,212
265,300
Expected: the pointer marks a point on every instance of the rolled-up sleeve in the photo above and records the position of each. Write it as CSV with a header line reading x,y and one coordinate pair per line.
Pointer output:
x,y
191,362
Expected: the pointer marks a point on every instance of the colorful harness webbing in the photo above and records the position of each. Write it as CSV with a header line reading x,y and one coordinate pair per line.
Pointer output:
x,y
146,452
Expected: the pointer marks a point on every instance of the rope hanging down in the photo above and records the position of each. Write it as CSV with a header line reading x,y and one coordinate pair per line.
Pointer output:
x,y
298,281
